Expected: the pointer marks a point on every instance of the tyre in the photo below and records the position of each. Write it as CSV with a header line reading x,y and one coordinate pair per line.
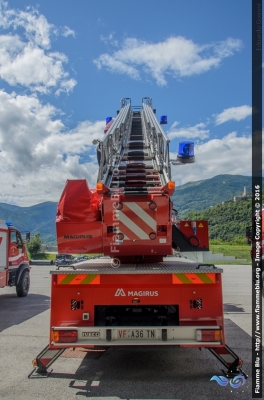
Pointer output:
x,y
22,287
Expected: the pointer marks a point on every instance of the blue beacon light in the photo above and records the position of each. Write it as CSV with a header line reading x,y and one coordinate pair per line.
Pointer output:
x,y
163,120
8,223
186,151
108,119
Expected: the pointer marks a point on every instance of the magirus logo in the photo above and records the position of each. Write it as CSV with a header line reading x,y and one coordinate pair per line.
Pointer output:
x,y
137,293
120,292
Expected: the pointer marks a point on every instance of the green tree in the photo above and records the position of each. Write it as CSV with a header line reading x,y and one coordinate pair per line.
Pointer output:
x,y
34,244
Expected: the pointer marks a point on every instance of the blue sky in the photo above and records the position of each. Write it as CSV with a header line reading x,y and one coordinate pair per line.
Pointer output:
x,y
65,66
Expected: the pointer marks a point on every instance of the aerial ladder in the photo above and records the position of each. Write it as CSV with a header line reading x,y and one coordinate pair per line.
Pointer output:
x,y
137,292
131,206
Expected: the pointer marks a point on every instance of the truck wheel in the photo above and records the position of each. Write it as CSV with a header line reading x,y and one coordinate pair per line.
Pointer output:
x,y
22,287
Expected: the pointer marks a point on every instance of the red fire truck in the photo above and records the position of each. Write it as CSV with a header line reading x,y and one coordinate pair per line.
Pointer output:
x,y
138,293
14,262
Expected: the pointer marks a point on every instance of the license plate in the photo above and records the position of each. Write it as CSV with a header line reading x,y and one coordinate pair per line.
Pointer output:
x,y
136,334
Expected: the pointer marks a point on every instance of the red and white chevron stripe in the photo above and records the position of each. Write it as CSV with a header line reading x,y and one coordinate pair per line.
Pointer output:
x,y
136,222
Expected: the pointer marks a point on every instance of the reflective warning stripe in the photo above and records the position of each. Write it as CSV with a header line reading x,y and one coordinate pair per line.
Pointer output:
x,y
143,214
225,355
128,225
78,279
136,222
193,278
46,358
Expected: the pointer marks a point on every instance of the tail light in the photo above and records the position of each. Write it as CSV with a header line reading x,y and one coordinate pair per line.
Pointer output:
x,y
65,336
208,335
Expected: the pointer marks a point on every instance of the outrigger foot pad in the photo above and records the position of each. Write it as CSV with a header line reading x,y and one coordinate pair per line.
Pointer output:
x,y
230,360
231,375
39,374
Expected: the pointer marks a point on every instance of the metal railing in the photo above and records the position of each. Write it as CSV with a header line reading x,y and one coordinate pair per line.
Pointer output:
x,y
110,148
157,139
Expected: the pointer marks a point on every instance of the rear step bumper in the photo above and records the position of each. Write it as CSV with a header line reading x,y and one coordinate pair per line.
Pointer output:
x,y
222,352
194,336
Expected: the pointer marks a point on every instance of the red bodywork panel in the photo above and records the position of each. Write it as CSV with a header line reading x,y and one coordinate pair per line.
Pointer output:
x,y
128,228
12,253
198,228
95,289
141,227
78,203
137,226
4,240
108,125
78,219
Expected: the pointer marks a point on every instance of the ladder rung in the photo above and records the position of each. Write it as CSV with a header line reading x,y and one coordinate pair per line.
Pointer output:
x,y
137,183
124,158
136,175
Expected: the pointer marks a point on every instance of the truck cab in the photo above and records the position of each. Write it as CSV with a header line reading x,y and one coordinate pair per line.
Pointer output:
x,y
14,262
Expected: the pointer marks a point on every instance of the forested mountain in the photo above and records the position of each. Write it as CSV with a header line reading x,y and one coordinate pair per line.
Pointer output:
x,y
36,219
227,220
200,195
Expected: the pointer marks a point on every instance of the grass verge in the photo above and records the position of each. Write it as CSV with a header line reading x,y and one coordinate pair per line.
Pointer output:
x,y
238,251
42,256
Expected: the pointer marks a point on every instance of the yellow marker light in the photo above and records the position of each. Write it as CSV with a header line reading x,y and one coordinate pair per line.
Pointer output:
x,y
55,336
99,186
171,185
65,336
218,335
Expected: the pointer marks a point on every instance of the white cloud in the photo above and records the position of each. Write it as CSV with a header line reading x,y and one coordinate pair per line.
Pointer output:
x,y
37,29
191,132
68,32
109,39
38,153
66,86
230,155
116,65
27,62
176,56
236,113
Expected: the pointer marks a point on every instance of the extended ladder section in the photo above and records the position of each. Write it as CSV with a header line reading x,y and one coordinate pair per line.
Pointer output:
x,y
135,152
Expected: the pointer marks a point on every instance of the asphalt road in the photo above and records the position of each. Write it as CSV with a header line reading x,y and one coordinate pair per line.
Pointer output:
x,y
122,372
